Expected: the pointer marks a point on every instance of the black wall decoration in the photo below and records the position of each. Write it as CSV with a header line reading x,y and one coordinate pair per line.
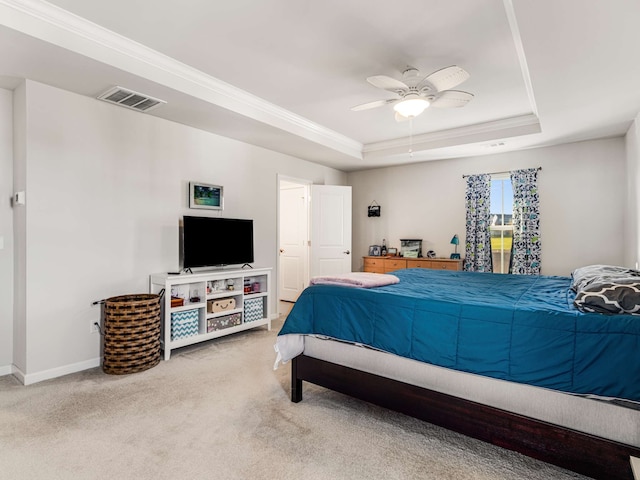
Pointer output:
x,y
373,210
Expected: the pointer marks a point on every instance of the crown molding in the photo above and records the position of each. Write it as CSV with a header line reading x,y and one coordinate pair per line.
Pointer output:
x,y
481,132
522,59
57,26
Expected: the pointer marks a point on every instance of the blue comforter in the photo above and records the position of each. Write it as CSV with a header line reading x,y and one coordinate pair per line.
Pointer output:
x,y
519,328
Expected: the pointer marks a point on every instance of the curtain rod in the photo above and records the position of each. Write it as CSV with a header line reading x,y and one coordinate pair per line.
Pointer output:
x,y
493,173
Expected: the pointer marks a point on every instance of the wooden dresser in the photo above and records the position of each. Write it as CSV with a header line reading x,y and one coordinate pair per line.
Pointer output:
x,y
390,264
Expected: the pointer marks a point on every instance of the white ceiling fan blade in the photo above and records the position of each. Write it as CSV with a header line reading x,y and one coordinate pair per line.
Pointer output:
x,y
387,83
377,103
451,99
445,78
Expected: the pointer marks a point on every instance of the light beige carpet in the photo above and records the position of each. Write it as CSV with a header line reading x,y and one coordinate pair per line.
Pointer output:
x,y
219,411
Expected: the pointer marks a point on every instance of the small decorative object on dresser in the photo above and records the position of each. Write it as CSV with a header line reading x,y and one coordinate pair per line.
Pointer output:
x,y
392,252
374,251
411,248
455,241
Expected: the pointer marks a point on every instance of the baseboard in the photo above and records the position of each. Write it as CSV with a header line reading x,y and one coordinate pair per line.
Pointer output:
x,y
18,374
30,378
6,370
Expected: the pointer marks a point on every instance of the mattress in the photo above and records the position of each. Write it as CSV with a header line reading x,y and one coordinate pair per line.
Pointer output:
x,y
523,329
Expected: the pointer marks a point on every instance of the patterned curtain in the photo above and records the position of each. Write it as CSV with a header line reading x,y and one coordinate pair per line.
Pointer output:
x,y
525,250
477,256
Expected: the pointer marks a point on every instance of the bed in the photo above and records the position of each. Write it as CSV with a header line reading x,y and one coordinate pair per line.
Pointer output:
x,y
506,359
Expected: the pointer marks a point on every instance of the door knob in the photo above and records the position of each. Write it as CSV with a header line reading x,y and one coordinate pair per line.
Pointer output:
x,y
282,250
347,252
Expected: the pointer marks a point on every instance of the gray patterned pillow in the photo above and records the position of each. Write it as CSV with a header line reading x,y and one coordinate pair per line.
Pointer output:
x,y
610,298
584,277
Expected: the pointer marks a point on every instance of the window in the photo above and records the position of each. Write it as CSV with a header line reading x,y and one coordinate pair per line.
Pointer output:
x,y
501,222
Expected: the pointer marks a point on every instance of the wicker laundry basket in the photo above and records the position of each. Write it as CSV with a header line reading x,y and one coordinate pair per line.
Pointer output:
x,y
131,333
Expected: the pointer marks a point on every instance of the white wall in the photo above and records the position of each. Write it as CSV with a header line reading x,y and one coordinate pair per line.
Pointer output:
x,y
632,237
582,202
6,231
105,188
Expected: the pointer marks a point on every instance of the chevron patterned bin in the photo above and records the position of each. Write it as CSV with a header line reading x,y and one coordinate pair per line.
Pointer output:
x,y
253,309
184,324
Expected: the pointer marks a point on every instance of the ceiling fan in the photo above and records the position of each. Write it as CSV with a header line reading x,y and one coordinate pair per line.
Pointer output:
x,y
416,93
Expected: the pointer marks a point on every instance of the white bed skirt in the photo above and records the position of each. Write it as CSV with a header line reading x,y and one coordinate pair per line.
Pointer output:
x,y
594,416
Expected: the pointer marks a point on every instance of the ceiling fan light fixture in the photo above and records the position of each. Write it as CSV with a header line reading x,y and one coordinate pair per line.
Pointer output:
x,y
411,106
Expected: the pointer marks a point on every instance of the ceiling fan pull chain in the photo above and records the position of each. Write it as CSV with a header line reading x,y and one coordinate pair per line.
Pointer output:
x,y
410,137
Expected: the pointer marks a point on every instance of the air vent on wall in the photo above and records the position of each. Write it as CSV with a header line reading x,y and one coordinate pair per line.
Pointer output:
x,y
130,99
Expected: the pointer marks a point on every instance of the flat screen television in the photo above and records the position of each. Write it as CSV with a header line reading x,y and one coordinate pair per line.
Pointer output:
x,y
215,242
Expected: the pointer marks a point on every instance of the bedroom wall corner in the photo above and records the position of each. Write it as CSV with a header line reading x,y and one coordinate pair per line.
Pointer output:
x,y
632,224
6,231
19,229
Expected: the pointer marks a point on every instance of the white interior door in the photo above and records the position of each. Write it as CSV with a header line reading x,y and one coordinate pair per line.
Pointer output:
x,y
294,240
330,229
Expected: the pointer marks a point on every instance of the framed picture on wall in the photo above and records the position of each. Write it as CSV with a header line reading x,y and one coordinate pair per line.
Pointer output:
x,y
204,195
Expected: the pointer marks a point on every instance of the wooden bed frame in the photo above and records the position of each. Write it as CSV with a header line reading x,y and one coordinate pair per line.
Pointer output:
x,y
580,452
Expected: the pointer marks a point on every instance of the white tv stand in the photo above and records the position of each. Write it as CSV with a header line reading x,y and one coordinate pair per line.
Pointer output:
x,y
202,288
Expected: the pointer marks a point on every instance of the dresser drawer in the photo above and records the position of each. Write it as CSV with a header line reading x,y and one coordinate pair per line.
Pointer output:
x,y
439,265
374,262
418,264
374,265
393,264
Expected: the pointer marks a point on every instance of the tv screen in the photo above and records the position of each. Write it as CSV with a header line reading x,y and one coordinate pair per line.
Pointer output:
x,y
212,242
